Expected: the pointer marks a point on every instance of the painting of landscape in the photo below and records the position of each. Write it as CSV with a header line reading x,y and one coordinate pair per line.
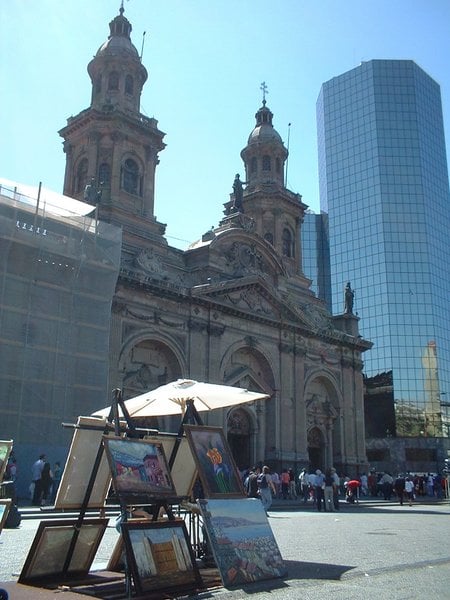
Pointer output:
x,y
242,541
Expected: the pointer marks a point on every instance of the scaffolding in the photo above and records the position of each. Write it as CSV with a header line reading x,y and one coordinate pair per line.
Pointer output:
x,y
58,271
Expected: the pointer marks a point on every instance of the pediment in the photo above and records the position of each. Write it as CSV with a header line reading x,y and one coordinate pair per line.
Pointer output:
x,y
252,295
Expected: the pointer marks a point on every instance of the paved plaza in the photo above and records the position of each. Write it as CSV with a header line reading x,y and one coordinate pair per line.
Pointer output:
x,y
376,550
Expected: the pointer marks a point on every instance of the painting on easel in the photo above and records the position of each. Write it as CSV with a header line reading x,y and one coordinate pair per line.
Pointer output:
x,y
139,467
216,467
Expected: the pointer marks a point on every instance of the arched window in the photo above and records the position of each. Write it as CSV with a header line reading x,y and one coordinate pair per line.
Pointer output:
x,y
129,85
113,81
288,245
130,176
104,174
253,165
81,176
266,163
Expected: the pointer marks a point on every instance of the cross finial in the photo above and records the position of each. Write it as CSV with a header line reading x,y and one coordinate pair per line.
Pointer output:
x,y
265,91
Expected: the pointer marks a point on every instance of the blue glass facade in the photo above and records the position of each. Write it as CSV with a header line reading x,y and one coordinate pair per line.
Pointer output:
x,y
316,254
384,184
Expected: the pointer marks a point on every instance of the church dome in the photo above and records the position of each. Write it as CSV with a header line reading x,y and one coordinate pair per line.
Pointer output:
x,y
264,130
119,39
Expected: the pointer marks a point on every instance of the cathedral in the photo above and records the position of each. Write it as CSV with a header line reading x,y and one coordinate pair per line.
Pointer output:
x,y
235,307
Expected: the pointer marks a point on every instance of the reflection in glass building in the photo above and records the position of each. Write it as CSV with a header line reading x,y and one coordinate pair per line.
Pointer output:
x,y
384,184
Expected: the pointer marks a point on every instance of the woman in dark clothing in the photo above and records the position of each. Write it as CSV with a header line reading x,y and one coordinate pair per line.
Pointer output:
x,y
46,483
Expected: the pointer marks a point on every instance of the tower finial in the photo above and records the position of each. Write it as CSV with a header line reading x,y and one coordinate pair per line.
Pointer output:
x,y
121,9
265,91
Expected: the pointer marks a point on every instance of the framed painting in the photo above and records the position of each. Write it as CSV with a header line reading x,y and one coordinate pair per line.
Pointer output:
x,y
49,550
241,540
86,441
5,451
139,468
216,467
184,469
4,510
160,555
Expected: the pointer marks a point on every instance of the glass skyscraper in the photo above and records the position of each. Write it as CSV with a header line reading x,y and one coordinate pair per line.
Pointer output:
x,y
384,184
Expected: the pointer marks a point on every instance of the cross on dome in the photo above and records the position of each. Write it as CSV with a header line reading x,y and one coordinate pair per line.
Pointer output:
x,y
265,91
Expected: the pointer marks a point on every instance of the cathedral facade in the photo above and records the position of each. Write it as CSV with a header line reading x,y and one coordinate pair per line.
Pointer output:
x,y
235,307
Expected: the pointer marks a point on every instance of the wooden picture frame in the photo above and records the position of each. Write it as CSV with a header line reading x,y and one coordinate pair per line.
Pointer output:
x,y
216,467
139,469
86,440
184,468
5,505
160,555
242,541
5,451
49,550
116,562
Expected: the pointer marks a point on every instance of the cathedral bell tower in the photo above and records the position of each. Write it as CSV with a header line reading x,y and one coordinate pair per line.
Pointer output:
x,y
276,211
111,148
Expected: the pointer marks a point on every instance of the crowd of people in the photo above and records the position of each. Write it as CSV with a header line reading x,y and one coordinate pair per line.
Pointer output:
x,y
325,489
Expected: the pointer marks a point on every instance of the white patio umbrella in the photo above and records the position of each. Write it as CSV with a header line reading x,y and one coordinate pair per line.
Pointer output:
x,y
170,399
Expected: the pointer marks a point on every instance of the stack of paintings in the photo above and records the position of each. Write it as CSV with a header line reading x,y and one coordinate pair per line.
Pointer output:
x,y
239,533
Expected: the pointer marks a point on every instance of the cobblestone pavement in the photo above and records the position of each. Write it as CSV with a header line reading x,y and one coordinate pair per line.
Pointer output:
x,y
376,550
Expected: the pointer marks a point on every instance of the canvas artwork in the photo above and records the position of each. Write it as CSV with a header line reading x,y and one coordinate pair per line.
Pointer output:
x,y
184,469
5,451
86,441
160,555
4,510
216,467
139,467
242,541
50,547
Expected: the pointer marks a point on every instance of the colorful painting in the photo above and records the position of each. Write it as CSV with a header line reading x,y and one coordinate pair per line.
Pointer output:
x,y
5,451
184,469
139,467
242,541
160,555
216,467
49,550
4,510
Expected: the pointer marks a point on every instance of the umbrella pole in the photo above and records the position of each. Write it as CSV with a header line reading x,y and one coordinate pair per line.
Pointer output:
x,y
114,414
190,416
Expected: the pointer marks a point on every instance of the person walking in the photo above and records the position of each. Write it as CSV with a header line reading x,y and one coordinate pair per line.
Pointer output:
x,y
284,484
46,483
36,472
399,488
251,483
266,488
292,486
57,474
303,479
337,484
409,490
318,490
328,492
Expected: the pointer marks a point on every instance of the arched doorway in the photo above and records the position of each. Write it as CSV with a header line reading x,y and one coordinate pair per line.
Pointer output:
x,y
316,449
239,437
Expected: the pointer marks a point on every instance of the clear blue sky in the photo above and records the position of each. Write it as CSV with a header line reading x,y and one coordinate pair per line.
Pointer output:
x,y
206,60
